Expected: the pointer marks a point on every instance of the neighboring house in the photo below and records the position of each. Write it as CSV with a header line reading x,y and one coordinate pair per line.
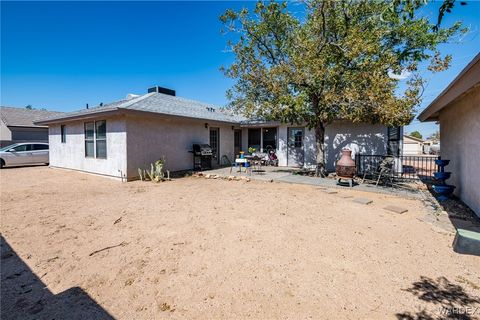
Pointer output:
x,y
457,109
17,125
118,138
431,147
412,146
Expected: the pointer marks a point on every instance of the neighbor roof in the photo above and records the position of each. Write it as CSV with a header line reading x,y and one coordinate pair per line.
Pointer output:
x,y
155,103
413,138
23,117
468,78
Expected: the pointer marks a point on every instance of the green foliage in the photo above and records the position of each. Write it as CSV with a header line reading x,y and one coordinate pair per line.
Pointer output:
x,y
416,134
156,172
338,61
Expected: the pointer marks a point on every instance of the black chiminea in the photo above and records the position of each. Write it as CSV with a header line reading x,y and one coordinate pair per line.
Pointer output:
x,y
163,90
202,157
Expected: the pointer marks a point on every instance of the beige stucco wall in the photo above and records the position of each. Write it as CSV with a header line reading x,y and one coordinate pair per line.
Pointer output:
x,y
71,155
460,140
153,137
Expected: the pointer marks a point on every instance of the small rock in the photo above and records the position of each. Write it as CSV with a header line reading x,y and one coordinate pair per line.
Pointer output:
x,y
208,176
231,177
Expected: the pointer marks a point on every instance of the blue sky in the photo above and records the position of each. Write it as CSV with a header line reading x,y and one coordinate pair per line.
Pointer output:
x,y
62,55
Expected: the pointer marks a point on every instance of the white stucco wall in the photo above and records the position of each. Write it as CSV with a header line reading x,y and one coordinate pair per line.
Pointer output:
x,y
152,137
363,138
71,154
460,139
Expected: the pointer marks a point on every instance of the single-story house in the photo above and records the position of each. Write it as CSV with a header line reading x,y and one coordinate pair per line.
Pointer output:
x,y
17,125
116,139
412,146
457,109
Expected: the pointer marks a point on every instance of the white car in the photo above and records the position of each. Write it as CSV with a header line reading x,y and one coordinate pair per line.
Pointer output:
x,y
24,153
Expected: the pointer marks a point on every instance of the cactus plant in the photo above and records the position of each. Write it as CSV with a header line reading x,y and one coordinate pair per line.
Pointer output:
x,y
156,172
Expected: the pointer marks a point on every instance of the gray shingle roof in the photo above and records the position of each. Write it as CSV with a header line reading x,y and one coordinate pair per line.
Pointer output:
x,y
23,117
158,103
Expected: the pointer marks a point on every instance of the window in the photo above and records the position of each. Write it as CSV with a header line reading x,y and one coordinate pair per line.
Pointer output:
x,y
63,133
96,139
23,147
254,137
393,146
214,143
269,138
101,139
89,139
297,138
40,147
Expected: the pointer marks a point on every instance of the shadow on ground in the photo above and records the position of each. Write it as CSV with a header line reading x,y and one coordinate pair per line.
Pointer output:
x,y
25,296
449,301
459,214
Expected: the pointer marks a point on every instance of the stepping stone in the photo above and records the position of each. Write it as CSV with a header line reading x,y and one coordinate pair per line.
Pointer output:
x,y
363,200
345,196
330,191
467,242
395,209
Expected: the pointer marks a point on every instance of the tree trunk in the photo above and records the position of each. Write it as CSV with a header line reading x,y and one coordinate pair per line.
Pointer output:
x,y
320,143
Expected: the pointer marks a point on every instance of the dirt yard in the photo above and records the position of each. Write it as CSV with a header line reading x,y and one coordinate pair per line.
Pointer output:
x,y
81,246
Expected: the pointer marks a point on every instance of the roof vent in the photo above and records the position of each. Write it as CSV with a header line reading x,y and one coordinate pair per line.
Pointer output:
x,y
131,96
163,90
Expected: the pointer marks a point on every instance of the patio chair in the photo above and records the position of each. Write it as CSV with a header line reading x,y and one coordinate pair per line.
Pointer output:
x,y
383,171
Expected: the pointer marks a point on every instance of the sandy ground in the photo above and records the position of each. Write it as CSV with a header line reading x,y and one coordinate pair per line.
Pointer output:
x,y
208,249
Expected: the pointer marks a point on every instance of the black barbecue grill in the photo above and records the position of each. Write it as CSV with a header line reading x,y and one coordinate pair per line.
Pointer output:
x,y
202,157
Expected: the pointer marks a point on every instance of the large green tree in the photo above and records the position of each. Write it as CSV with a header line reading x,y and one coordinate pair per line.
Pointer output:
x,y
331,60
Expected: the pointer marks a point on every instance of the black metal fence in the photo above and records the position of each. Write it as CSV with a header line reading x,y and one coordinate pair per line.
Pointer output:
x,y
404,168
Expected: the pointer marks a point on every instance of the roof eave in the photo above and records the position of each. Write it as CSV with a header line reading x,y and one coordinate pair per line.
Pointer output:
x,y
431,112
76,117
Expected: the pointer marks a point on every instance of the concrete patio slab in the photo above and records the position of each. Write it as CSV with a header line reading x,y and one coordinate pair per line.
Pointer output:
x,y
290,175
363,200
330,191
396,209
